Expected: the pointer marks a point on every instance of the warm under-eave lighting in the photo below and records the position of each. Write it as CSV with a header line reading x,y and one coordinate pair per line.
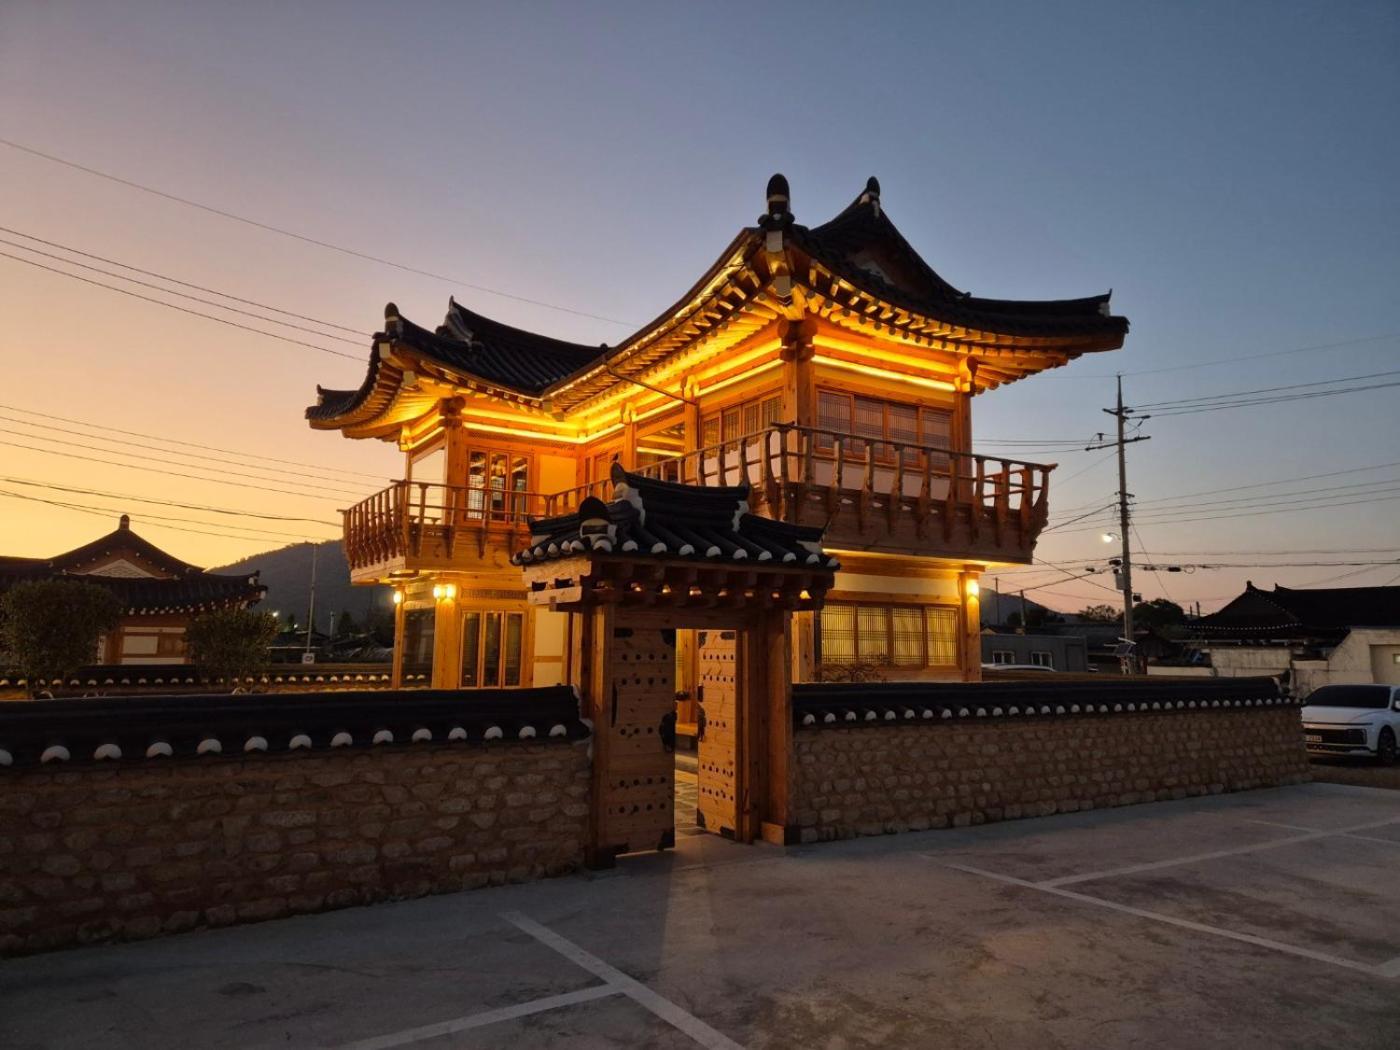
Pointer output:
x,y
883,373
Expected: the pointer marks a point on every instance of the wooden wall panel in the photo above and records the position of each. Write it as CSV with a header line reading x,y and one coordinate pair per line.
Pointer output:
x,y
718,745
638,783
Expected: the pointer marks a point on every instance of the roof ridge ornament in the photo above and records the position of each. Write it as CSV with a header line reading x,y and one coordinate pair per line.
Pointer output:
x,y
778,216
871,196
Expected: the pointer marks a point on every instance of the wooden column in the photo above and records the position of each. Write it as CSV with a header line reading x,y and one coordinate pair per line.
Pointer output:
x,y
396,666
799,382
772,637
970,649
596,637
447,644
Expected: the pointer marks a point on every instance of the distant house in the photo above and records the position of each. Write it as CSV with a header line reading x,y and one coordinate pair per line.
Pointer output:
x,y
1053,652
1312,637
159,593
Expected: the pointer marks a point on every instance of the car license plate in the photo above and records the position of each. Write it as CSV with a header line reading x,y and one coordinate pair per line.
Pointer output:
x,y
1313,738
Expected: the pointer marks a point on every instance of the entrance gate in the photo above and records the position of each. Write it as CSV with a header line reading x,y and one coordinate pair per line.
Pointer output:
x,y
716,738
664,557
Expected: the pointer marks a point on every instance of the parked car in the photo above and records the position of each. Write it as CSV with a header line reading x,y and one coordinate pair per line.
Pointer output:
x,y
1353,720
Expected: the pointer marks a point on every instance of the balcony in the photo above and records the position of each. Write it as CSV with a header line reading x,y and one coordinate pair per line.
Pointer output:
x,y
877,496
417,525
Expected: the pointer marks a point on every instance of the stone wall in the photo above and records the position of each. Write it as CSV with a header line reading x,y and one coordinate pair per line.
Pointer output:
x,y
865,778
131,849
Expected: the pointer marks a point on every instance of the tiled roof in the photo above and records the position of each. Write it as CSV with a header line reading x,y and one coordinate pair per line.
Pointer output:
x,y
862,234
861,246
667,520
187,588
1302,611
57,732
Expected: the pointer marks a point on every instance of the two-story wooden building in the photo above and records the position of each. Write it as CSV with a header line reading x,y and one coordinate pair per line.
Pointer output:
x,y
829,367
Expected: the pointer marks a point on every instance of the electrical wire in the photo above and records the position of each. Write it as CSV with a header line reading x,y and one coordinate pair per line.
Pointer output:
x,y
164,502
303,237
188,444
260,535
185,295
175,280
153,448
173,462
1221,362
163,472
1208,398
183,309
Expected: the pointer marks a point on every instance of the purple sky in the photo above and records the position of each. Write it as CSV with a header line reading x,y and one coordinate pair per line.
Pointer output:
x,y
1229,170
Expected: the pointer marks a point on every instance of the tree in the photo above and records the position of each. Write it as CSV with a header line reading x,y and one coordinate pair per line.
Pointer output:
x,y
345,627
50,628
1100,614
1159,613
231,643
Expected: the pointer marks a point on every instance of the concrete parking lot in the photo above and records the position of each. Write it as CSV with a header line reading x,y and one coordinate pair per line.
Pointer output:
x,y
1263,919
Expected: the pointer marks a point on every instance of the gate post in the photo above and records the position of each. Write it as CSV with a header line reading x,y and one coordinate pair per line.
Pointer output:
x,y
771,700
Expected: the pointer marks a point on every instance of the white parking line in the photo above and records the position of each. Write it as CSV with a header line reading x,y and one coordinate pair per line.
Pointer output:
x,y
1389,969
1133,869
628,986
1343,834
505,1013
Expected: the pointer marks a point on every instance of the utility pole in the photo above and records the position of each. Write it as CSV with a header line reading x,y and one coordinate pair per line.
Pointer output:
x,y
1126,569
311,605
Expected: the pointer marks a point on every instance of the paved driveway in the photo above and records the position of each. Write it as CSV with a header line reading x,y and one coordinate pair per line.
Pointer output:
x,y
1265,919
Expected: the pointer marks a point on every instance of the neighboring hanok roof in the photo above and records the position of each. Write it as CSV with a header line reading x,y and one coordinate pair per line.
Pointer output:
x,y
664,519
145,579
855,269
1289,612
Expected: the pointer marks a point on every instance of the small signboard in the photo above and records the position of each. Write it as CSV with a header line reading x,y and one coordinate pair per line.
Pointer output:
x,y
308,658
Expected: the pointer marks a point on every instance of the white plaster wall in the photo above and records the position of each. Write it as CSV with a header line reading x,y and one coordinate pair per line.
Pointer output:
x,y
1242,663
550,635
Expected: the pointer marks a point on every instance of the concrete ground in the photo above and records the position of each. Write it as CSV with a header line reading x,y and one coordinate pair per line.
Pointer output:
x,y
1360,771
1263,919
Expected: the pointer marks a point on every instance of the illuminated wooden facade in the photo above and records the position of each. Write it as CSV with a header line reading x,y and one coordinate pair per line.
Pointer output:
x,y
828,368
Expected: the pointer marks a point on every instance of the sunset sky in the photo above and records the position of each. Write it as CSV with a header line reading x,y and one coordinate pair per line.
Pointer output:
x,y
1229,170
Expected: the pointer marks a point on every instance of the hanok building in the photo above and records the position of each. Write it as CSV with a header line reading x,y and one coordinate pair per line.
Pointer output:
x,y
1311,636
159,593
828,368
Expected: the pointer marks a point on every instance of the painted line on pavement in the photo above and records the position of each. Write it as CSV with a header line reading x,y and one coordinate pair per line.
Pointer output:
x,y
1258,847
1390,969
1343,834
505,1013
662,1007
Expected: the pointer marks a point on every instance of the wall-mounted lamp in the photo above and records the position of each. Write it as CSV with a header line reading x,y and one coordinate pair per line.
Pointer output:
x,y
398,597
1109,537
444,590
973,588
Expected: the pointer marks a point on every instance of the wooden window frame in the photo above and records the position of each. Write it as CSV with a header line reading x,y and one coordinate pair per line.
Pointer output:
x,y
480,659
925,609
884,451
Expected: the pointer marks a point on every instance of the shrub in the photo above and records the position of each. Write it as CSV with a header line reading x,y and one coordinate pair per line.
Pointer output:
x,y
231,643
50,628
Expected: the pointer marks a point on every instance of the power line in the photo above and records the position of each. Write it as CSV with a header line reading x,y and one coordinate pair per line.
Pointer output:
x,y
1276,400
183,295
1324,505
176,280
1267,484
304,238
1207,398
154,448
1220,362
181,309
173,462
161,471
165,502
187,444
261,535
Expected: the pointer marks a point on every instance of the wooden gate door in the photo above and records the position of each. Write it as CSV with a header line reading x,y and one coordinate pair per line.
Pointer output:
x,y
638,717
717,807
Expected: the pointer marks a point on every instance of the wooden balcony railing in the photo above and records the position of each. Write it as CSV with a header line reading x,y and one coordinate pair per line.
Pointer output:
x,y
895,496
412,518
889,496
